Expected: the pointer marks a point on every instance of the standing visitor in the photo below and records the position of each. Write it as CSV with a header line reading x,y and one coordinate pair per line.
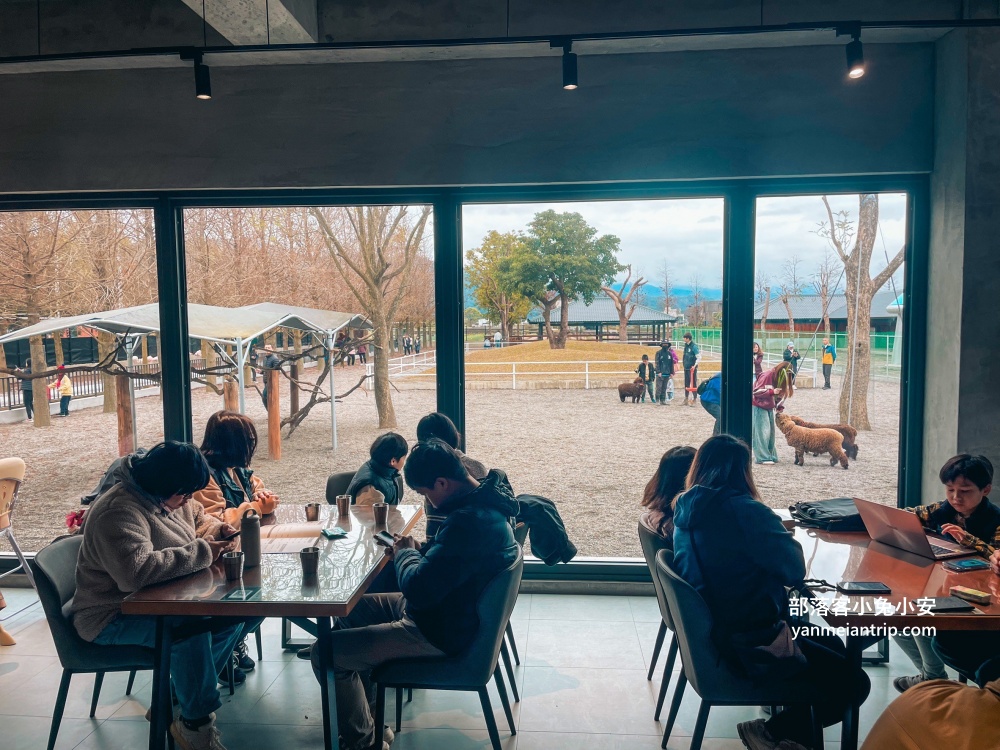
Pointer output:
x,y
497,339
711,399
648,375
416,345
666,360
787,354
770,390
690,360
796,358
252,357
271,362
64,388
27,389
363,353
758,360
829,357
350,357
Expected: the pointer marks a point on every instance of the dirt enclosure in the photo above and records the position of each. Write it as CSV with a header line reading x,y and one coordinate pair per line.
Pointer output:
x,y
584,449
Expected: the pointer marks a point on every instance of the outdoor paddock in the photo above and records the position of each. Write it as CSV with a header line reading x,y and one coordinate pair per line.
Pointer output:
x,y
584,449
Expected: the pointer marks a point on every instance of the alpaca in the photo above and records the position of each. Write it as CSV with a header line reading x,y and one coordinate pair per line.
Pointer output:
x,y
815,441
849,433
635,389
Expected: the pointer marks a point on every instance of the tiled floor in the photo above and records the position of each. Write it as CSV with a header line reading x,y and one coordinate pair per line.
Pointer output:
x,y
582,680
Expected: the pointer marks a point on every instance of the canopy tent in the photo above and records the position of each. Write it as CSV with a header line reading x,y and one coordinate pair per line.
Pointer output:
x,y
233,326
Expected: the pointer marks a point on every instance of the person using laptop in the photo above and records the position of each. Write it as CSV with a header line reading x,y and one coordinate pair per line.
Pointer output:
x,y
968,517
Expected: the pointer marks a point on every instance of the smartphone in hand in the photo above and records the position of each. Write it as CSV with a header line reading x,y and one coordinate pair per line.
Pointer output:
x,y
385,539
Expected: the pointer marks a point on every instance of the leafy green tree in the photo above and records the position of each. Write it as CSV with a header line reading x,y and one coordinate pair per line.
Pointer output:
x,y
488,271
472,316
563,259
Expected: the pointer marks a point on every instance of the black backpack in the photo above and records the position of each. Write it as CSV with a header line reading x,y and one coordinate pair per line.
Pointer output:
x,y
837,514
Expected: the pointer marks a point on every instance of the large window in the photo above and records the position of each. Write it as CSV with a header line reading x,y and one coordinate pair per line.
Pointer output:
x,y
562,302
58,271
828,291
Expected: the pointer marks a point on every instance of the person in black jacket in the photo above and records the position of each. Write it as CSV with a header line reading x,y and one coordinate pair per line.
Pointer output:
x,y
441,583
380,474
648,375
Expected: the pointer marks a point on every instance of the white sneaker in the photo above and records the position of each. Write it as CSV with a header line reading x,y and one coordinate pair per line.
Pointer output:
x,y
205,737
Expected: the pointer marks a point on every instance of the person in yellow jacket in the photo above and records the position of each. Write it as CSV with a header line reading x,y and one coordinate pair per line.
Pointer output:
x,y
64,387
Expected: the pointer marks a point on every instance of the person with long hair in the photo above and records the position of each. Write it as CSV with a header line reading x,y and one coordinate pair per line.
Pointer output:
x,y
668,482
770,390
758,360
736,553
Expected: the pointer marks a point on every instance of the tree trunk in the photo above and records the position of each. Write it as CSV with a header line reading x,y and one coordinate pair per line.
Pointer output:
x,y
622,327
210,360
767,306
231,395
854,393
791,318
563,334
144,347
547,317
380,357
57,346
40,392
126,435
105,346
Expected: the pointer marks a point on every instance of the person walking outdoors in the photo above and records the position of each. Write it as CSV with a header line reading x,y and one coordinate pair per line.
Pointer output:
x,y
829,357
711,399
770,391
64,387
758,360
648,375
27,390
416,345
690,360
666,362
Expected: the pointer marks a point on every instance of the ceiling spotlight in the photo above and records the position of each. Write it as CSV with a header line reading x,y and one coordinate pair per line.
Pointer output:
x,y
855,52
202,79
568,61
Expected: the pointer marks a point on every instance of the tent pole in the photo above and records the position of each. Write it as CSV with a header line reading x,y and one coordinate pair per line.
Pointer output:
x,y
333,394
240,359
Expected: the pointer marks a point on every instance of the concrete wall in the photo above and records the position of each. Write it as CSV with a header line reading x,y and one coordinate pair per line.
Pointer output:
x,y
683,115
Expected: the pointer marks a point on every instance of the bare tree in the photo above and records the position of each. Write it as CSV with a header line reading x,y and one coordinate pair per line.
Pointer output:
x,y
860,290
666,283
791,288
762,295
624,303
373,248
697,307
825,282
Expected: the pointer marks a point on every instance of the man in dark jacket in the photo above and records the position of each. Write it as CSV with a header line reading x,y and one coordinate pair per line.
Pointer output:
x,y
690,360
380,474
441,582
665,363
648,375
271,362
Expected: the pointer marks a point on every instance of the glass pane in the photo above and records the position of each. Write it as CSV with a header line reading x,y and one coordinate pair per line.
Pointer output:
x,y
361,278
829,281
557,406
55,265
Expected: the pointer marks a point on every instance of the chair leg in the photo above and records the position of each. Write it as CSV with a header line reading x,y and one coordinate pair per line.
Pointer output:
x,y
230,674
502,690
260,645
699,726
131,682
963,679
491,723
98,682
660,635
675,705
380,713
399,708
409,695
20,556
505,654
57,712
668,668
513,644
817,727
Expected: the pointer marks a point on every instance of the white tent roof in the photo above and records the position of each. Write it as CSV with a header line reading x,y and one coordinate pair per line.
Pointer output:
x,y
224,324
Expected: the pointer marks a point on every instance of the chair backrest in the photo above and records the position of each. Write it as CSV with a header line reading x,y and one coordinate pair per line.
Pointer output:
x,y
521,533
651,543
11,476
337,484
706,669
55,579
494,608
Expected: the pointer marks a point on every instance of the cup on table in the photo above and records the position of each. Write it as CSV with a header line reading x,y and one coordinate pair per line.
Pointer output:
x,y
343,505
233,564
312,511
381,513
310,562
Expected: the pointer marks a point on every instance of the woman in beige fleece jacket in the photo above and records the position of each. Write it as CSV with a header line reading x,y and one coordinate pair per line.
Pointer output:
x,y
143,531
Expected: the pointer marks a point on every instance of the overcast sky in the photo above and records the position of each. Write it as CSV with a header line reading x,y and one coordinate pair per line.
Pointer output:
x,y
688,233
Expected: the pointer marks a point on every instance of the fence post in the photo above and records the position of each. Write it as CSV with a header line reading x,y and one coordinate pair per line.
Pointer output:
x,y
586,375
513,376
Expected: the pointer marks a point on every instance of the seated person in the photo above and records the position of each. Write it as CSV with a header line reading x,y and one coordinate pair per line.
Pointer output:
x,y
378,479
968,516
228,447
735,552
144,531
438,425
940,714
441,582
667,483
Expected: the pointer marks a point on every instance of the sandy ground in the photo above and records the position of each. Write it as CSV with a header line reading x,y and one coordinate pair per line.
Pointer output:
x,y
584,449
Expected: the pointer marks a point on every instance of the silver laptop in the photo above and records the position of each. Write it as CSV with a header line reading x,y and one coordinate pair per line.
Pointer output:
x,y
903,530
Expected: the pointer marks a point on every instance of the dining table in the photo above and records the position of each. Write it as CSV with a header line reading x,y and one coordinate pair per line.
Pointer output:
x,y
837,557
348,566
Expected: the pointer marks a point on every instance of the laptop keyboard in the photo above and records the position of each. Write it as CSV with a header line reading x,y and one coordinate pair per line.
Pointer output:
x,y
937,550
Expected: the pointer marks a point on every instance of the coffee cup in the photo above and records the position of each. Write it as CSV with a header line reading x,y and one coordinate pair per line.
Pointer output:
x,y
312,511
381,513
233,564
343,505
310,562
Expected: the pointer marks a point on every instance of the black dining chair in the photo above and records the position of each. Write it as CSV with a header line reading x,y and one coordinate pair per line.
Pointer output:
x,y
337,484
651,543
470,671
55,578
709,672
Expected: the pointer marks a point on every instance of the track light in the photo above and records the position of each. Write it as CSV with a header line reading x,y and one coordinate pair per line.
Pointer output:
x,y
855,52
202,79
569,69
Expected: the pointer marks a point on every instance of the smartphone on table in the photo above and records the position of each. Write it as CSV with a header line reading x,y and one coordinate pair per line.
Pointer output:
x,y
964,566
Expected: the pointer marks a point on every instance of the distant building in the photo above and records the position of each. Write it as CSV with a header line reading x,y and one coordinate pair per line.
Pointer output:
x,y
599,320
807,310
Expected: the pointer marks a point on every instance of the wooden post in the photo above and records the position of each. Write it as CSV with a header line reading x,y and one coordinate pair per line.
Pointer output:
x,y
105,346
231,395
296,367
144,346
273,414
126,436
40,386
57,339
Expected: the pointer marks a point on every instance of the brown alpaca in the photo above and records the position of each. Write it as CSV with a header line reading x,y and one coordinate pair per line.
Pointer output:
x,y
850,434
635,389
815,441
